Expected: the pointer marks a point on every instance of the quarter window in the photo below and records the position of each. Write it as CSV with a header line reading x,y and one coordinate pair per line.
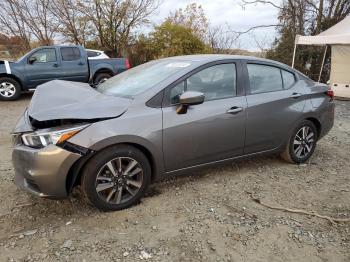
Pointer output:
x,y
263,78
44,55
176,91
70,53
288,79
216,82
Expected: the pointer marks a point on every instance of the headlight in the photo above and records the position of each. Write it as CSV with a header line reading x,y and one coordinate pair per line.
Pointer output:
x,y
41,138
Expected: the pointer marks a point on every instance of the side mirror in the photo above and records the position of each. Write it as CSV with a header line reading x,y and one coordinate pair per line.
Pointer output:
x,y
32,59
189,98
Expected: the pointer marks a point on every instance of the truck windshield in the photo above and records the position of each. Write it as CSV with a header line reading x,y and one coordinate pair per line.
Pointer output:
x,y
140,78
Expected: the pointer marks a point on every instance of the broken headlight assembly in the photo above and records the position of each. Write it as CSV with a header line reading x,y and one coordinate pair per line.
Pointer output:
x,y
42,138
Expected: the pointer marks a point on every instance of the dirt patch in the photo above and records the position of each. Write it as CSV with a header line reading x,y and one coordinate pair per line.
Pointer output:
x,y
190,218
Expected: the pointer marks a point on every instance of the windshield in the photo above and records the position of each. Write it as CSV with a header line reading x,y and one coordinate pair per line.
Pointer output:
x,y
139,79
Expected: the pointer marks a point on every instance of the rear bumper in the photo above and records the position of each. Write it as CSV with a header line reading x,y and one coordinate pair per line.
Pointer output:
x,y
43,172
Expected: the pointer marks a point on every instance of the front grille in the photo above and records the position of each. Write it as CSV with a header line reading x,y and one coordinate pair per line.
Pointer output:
x,y
16,139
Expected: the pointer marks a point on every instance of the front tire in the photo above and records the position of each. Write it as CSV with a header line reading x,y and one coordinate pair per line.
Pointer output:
x,y
10,89
116,178
301,144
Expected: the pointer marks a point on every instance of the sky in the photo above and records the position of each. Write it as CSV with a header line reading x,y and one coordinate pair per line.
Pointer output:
x,y
231,12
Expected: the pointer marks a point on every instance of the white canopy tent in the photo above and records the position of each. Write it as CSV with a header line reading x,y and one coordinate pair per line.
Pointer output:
x,y
338,37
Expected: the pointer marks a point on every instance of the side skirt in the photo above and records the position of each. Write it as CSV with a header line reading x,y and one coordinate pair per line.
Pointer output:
x,y
223,161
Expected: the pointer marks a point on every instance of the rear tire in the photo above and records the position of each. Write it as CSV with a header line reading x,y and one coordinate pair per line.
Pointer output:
x,y
100,78
10,89
116,178
302,143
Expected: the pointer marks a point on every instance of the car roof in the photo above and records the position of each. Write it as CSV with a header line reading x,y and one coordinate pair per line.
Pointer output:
x,y
207,58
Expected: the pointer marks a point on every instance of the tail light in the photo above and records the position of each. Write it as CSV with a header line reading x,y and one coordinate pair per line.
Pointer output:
x,y
330,93
127,63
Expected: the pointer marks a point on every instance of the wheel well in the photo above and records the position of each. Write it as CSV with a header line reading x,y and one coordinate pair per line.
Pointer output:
x,y
317,124
149,156
13,77
103,70
74,174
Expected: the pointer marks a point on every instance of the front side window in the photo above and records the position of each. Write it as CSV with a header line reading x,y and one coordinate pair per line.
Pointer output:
x,y
70,53
44,55
264,78
216,82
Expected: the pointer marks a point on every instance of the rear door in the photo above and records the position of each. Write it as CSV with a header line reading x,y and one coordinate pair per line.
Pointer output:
x,y
42,66
74,64
211,131
275,102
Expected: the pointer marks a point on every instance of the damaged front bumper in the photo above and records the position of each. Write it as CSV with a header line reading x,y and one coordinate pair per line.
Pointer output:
x,y
43,172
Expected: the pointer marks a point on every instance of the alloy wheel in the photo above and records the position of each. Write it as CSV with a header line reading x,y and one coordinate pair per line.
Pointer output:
x,y
7,89
303,142
119,180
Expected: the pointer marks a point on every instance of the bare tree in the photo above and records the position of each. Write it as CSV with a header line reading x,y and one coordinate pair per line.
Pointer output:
x,y
27,18
263,43
38,19
12,23
305,17
222,40
74,25
114,20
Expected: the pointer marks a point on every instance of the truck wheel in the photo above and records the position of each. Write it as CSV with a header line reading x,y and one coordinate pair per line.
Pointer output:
x,y
101,77
10,89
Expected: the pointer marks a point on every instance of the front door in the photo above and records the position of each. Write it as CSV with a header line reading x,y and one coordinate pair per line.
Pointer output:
x,y
209,132
42,66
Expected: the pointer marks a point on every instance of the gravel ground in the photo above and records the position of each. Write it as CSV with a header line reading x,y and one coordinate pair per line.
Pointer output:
x,y
204,217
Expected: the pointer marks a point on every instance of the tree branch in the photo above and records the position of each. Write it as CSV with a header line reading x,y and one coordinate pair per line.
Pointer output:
x,y
253,28
332,220
262,2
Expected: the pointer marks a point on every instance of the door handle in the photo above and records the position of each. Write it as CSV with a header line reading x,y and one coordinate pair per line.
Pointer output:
x,y
81,63
55,65
234,110
295,95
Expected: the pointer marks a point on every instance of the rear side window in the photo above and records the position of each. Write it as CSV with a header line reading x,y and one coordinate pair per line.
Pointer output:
x,y
264,78
70,53
288,79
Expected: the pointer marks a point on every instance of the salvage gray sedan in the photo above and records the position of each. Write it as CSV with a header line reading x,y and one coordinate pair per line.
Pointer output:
x,y
168,116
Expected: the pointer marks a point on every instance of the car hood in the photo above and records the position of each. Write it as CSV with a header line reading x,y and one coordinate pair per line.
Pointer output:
x,y
60,99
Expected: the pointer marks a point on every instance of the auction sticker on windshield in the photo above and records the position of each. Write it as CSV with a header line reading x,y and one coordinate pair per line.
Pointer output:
x,y
178,64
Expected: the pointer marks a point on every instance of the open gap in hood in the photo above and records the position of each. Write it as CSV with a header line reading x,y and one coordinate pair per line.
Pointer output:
x,y
61,122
